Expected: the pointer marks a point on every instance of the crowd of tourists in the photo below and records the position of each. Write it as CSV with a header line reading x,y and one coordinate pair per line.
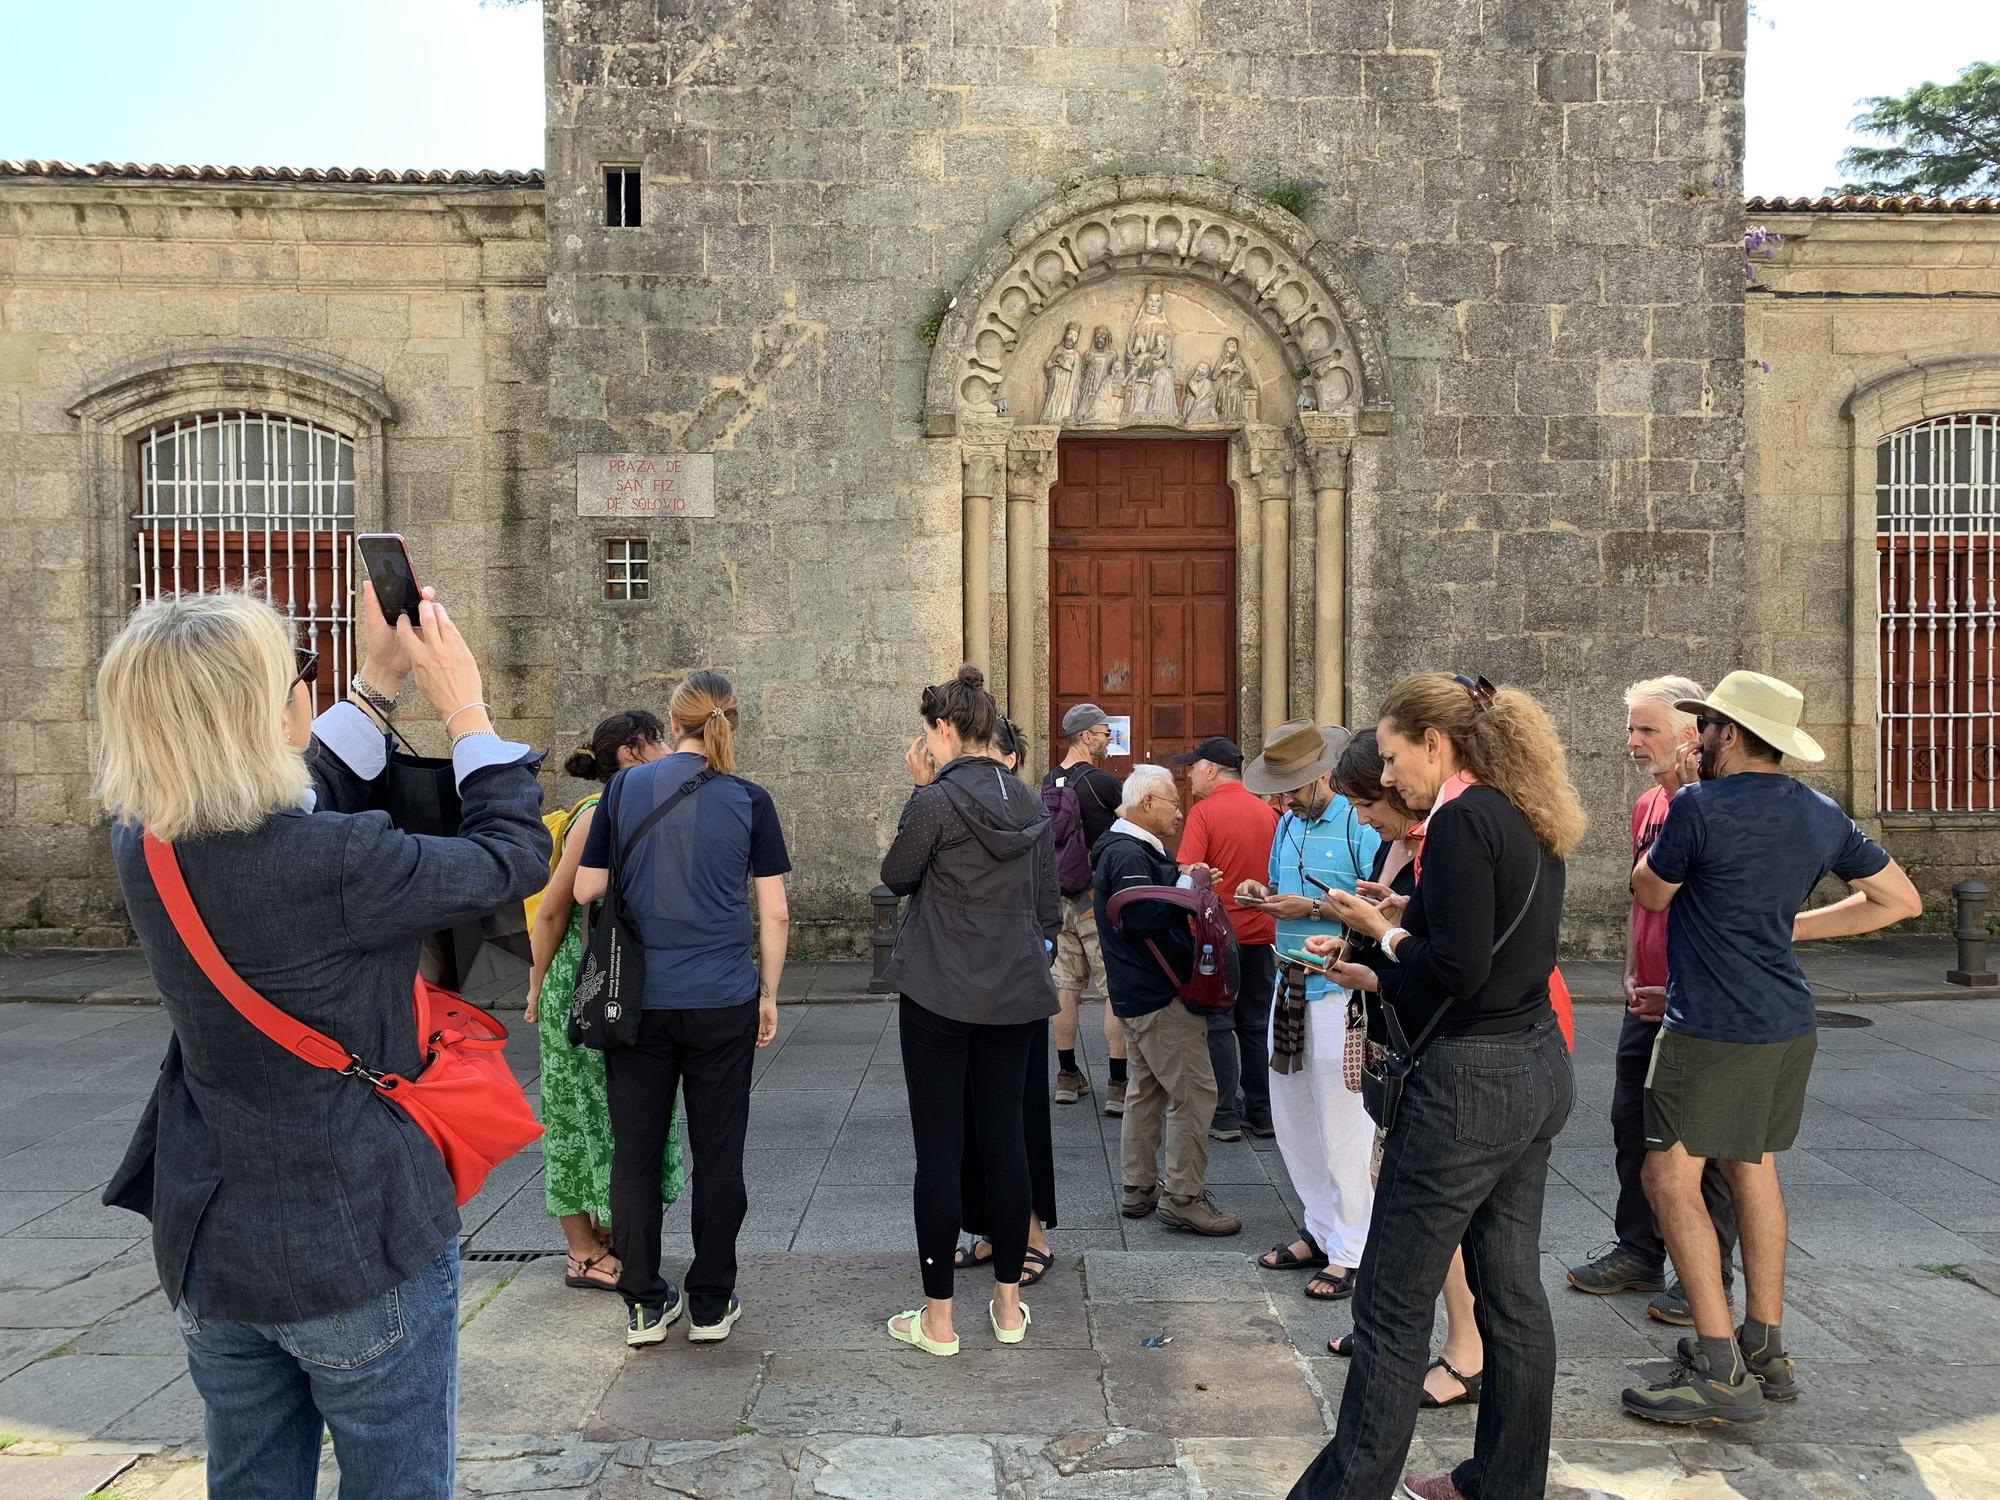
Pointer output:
x,y
1347,943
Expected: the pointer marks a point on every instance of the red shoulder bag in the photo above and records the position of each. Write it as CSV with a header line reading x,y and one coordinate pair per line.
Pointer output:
x,y
464,1097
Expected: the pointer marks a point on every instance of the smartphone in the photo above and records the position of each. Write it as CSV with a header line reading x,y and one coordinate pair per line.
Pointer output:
x,y
388,562
1303,959
1319,885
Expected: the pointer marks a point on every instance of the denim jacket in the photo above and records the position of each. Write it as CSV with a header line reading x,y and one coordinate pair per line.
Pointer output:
x,y
299,1192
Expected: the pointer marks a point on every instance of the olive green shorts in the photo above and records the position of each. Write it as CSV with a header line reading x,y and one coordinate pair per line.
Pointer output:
x,y
1729,1100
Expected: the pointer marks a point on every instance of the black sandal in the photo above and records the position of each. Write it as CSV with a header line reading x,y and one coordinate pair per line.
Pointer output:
x,y
1342,1286
1337,1346
1037,1265
965,1257
1280,1257
581,1278
1467,1397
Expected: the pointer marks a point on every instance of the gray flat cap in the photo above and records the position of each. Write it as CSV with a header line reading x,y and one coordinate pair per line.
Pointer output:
x,y
1083,716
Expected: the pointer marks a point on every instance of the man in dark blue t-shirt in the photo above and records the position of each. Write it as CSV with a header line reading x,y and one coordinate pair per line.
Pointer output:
x,y
1734,863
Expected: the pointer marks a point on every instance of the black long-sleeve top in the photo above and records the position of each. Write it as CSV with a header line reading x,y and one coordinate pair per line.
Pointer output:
x,y
1479,858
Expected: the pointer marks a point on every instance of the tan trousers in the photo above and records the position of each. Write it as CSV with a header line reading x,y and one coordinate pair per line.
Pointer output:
x,y
1170,1075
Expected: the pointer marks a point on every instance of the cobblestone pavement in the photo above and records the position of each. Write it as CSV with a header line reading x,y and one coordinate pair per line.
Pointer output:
x,y
1894,1308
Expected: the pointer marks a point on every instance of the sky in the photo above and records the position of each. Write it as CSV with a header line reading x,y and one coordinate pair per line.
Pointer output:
x,y
451,83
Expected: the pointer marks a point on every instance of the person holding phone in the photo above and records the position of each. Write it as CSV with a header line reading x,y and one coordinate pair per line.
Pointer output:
x,y
1323,1132
306,1234
1465,1161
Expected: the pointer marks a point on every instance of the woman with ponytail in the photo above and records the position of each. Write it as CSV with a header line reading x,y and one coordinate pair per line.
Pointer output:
x,y
1464,972
576,1126
682,879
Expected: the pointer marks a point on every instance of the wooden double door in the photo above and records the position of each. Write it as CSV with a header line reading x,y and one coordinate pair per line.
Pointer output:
x,y
1142,590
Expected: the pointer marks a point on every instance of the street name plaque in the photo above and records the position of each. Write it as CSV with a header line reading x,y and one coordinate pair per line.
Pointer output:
x,y
645,484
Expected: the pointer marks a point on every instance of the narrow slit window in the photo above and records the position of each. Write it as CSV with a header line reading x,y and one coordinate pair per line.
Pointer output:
x,y
627,567
621,197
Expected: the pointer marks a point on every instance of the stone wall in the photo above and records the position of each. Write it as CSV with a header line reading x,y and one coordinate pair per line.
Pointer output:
x,y
427,302
1534,199
1857,324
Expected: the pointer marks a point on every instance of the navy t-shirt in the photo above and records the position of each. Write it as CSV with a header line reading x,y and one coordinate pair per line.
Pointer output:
x,y
1746,852
686,883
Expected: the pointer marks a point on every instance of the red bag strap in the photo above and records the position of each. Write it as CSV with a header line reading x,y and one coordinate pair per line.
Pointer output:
x,y
297,1038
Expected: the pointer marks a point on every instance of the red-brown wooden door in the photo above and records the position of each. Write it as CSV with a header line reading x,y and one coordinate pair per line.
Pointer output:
x,y
1142,586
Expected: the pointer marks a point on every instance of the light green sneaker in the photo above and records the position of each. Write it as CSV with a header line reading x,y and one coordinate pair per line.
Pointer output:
x,y
1775,1372
1691,1394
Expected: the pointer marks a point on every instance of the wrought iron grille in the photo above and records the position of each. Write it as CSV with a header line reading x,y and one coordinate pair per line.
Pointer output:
x,y
227,498
627,567
1937,540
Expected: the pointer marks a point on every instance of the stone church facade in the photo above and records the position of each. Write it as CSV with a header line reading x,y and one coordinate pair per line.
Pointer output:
x,y
1218,364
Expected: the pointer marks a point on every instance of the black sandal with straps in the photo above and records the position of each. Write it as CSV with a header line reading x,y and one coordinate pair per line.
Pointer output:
x,y
1467,1397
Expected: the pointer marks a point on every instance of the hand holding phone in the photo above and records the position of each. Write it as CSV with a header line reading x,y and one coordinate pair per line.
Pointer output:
x,y
390,574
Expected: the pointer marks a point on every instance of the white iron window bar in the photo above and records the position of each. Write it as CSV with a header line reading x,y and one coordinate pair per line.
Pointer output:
x,y
621,197
627,567
234,497
1937,537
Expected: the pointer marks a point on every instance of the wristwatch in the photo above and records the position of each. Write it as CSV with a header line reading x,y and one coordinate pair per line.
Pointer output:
x,y
381,705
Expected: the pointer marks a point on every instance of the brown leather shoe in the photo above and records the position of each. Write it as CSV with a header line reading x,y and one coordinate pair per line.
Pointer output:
x,y
1114,1097
1199,1216
1139,1201
1070,1086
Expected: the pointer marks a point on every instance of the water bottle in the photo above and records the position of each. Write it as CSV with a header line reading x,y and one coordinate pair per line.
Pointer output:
x,y
1206,964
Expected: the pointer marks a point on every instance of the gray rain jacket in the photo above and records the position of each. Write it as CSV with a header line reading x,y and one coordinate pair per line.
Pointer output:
x,y
974,855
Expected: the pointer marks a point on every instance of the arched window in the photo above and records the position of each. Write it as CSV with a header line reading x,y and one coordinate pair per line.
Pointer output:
x,y
1937,539
230,496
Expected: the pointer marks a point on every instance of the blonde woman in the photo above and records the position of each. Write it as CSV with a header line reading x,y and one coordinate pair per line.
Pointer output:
x,y
1465,1160
304,1229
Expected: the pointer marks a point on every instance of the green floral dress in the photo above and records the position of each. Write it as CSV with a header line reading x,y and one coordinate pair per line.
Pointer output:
x,y
576,1124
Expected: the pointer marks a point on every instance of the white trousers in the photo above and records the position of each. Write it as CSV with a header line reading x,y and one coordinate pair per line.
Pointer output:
x,y
1326,1137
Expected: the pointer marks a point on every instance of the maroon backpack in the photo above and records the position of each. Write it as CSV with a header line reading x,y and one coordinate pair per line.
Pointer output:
x,y
1212,982
1066,827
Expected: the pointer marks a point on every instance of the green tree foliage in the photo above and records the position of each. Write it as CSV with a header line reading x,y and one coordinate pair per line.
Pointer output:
x,y
1943,139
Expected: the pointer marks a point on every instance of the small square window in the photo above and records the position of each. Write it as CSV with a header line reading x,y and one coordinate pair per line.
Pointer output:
x,y
621,197
627,567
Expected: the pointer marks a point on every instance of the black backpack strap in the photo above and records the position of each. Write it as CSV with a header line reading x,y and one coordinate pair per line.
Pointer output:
x,y
668,803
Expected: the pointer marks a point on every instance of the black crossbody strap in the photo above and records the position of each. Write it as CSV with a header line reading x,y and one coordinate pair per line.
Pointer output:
x,y
618,851
1395,1026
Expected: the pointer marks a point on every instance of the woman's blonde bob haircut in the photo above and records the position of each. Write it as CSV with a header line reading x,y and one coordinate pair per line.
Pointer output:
x,y
1509,743
190,703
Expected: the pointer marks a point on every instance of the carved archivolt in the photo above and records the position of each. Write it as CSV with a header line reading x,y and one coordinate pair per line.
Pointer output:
x,y
1158,302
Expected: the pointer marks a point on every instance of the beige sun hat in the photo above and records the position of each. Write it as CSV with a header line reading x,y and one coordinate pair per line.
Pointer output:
x,y
1295,754
1768,708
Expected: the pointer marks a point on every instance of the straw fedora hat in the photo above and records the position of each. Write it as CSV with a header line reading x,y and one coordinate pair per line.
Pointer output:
x,y
1768,708
1294,755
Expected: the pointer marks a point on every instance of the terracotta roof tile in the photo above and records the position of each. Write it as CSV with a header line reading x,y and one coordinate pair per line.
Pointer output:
x,y
160,172
1869,203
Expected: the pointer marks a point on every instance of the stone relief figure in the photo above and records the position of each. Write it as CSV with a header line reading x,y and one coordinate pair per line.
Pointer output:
x,y
1236,390
1149,328
1097,398
1152,398
1200,405
1060,377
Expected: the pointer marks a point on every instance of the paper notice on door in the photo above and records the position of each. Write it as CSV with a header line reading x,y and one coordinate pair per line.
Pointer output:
x,y
1121,735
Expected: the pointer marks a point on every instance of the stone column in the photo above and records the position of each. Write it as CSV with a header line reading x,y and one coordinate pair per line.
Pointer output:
x,y
983,463
1031,470
1329,440
1271,468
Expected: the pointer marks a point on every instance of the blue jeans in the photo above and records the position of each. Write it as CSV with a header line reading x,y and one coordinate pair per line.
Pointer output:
x,y
383,1376
1466,1164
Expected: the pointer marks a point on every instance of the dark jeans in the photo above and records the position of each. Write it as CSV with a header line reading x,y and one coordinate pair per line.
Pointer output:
x,y
1466,1164
383,1377
1637,1229
705,1054
943,1059
1236,1042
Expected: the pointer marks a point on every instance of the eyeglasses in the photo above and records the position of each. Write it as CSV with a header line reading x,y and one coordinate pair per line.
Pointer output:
x,y
1478,688
307,663
1705,722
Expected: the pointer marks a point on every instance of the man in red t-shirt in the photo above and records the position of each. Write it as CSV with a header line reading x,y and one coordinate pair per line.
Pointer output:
x,y
1230,829
1662,742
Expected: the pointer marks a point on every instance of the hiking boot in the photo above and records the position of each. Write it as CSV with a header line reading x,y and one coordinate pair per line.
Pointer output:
x,y
1071,1085
716,1332
1618,1269
1671,1306
1199,1216
1140,1201
1775,1372
1114,1097
1691,1394
648,1322
1429,1487
1263,1128
1225,1133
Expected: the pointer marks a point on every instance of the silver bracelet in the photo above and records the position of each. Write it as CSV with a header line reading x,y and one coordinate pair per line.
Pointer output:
x,y
475,703
368,695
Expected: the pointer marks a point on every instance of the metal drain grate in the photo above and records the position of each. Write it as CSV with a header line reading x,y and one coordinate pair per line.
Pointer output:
x,y
507,1255
1840,1020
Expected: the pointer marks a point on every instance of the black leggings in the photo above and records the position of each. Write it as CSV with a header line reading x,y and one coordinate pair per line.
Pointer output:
x,y
942,1059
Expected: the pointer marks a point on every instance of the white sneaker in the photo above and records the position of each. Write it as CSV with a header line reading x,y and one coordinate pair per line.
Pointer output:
x,y
716,1332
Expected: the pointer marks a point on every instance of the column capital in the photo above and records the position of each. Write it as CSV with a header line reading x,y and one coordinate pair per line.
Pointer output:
x,y
1328,438
1269,459
1031,462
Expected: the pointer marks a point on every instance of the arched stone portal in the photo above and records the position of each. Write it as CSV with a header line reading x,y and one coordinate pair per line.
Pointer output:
x,y
1162,305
